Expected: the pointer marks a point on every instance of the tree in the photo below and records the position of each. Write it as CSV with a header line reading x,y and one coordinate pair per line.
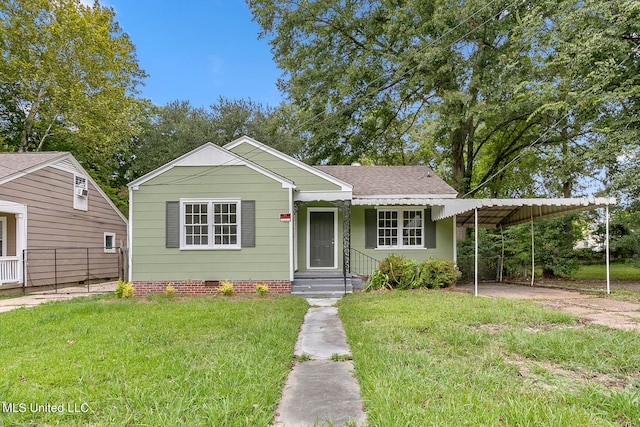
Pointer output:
x,y
381,79
503,98
178,128
68,80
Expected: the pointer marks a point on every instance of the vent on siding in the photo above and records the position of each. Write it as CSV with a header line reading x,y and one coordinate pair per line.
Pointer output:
x,y
67,165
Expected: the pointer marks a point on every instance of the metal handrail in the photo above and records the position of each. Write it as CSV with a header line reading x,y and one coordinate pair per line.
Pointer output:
x,y
363,264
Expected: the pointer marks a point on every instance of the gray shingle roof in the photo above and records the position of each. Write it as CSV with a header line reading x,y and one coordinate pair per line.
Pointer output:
x,y
390,180
13,163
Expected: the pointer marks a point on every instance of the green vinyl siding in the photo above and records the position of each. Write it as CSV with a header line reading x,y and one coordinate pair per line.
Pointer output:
x,y
304,180
444,239
152,260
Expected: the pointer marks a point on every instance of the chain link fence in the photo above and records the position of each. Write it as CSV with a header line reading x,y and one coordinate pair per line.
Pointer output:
x,y
53,268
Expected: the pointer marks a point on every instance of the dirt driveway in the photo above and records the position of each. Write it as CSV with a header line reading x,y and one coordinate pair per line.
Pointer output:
x,y
590,308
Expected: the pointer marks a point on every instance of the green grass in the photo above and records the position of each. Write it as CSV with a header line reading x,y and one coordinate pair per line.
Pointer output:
x,y
443,358
622,271
199,361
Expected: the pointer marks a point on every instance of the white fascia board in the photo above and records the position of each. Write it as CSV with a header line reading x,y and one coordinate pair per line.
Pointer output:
x,y
316,196
210,154
413,200
23,172
258,145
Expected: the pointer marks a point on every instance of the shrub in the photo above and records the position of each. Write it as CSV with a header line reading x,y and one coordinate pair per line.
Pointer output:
x,y
438,273
397,272
378,280
170,291
262,289
124,289
226,288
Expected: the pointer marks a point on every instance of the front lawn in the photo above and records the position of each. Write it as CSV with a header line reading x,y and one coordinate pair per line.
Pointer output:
x,y
450,359
147,361
617,271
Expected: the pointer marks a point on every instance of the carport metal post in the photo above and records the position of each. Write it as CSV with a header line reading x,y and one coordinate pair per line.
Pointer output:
x,y
607,247
476,248
533,251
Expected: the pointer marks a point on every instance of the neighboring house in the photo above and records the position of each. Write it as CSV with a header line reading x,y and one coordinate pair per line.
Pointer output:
x,y
56,225
248,214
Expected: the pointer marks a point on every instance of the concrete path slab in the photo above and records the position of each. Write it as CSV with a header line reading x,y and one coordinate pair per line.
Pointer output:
x,y
322,334
320,391
37,298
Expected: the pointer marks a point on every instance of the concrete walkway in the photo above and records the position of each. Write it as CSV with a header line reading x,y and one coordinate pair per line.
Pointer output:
x,y
37,298
320,391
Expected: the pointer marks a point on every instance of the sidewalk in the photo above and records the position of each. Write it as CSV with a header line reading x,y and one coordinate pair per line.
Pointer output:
x,y
320,391
37,298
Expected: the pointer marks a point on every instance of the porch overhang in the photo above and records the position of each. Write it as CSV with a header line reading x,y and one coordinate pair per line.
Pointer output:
x,y
399,199
318,196
494,213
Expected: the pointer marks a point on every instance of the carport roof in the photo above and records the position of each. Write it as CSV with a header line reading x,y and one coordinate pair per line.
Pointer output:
x,y
506,212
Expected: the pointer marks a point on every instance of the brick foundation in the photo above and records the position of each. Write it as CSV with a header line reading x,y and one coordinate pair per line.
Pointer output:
x,y
205,287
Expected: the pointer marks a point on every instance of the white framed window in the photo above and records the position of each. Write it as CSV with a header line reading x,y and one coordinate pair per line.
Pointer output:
x,y
400,229
109,242
80,193
210,224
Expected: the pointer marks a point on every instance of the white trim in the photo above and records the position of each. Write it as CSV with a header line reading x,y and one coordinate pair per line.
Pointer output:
x,y
211,237
400,228
292,248
130,237
80,202
455,241
335,237
19,174
3,227
344,186
20,211
409,200
317,196
210,154
112,249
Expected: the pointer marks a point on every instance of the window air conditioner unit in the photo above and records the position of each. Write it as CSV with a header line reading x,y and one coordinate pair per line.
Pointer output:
x,y
82,192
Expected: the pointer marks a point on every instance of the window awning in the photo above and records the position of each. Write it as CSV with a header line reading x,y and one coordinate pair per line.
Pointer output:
x,y
506,212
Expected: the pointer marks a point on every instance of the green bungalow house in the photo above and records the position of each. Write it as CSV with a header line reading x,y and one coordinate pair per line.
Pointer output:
x,y
248,214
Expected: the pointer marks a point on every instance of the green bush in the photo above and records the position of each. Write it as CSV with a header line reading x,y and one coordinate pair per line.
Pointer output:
x,y
438,273
124,289
262,289
397,272
226,288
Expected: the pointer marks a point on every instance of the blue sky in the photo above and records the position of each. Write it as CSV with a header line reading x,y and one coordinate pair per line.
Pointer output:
x,y
199,50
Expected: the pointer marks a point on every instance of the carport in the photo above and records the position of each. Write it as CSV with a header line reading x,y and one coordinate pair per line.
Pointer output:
x,y
502,213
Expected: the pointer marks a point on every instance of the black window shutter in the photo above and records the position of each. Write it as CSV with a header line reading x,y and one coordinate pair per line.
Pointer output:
x,y
248,225
172,231
370,228
429,230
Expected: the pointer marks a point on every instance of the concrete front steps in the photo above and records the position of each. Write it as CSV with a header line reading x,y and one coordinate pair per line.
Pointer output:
x,y
320,285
